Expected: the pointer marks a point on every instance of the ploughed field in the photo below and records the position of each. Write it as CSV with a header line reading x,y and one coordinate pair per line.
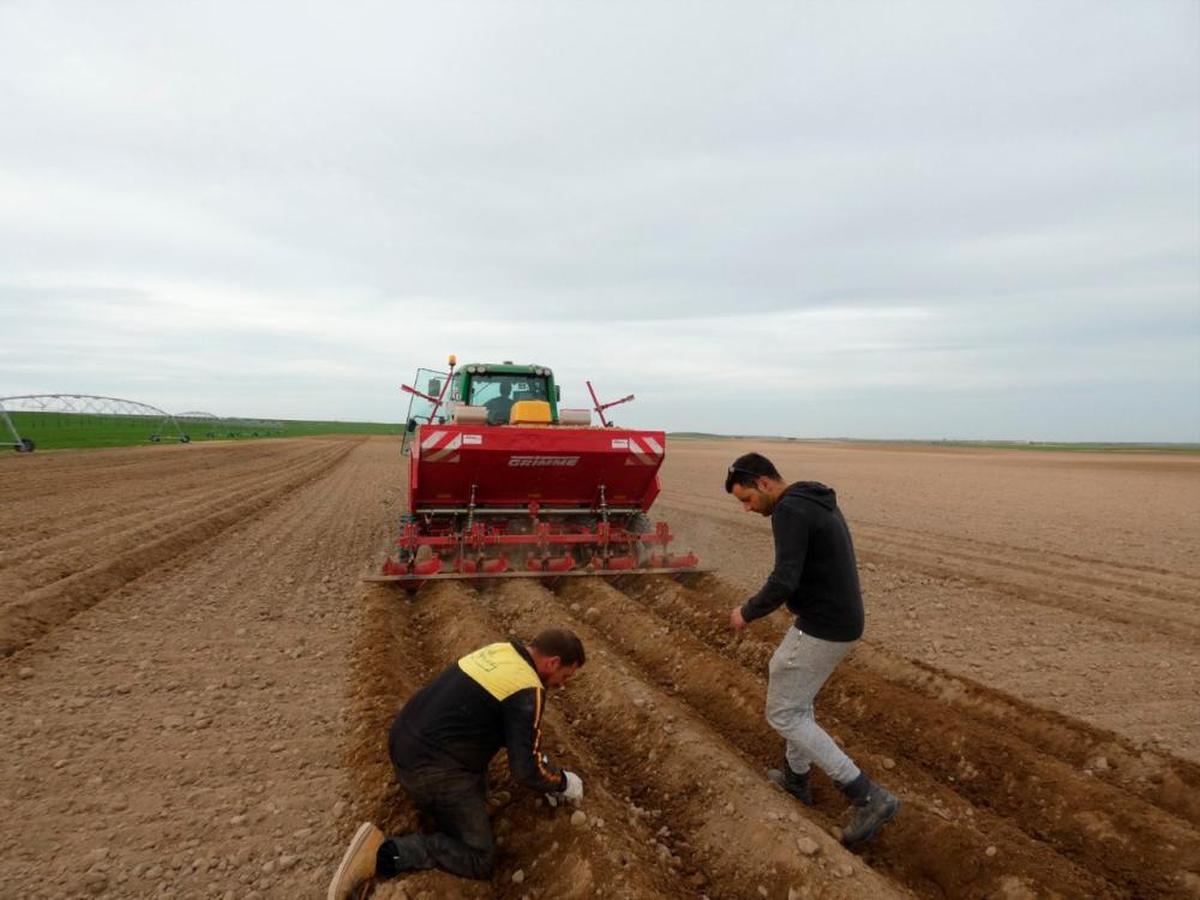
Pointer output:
x,y
196,684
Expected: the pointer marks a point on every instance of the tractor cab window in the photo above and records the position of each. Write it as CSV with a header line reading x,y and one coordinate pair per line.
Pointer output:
x,y
499,392
420,410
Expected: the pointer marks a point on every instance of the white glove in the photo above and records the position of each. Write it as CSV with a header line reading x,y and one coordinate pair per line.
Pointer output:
x,y
574,789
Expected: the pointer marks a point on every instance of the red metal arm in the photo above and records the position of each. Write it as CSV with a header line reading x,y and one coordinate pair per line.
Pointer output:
x,y
601,407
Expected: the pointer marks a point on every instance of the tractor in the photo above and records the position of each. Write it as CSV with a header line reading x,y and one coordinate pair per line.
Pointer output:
x,y
504,482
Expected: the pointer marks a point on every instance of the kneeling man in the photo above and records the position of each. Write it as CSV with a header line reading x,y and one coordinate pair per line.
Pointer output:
x,y
440,745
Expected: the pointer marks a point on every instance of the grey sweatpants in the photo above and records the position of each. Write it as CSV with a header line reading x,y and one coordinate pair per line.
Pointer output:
x,y
799,666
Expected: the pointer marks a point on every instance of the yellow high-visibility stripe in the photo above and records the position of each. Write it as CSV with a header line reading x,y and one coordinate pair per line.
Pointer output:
x,y
500,670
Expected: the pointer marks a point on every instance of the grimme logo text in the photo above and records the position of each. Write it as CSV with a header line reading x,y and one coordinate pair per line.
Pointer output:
x,y
524,461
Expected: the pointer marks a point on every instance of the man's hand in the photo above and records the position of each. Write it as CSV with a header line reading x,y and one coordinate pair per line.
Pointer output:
x,y
736,621
574,789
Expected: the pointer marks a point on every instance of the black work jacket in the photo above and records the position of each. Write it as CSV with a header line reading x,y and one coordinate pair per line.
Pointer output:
x,y
489,699
815,572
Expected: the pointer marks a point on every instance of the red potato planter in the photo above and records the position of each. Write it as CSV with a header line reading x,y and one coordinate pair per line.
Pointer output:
x,y
541,492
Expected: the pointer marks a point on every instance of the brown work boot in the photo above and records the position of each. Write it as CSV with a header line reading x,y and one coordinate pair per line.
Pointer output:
x,y
356,874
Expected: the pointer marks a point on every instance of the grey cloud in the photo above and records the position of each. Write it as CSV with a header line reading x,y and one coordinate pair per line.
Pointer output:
x,y
1023,175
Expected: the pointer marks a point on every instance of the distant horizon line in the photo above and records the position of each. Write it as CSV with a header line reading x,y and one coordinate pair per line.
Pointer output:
x,y
683,433
1013,442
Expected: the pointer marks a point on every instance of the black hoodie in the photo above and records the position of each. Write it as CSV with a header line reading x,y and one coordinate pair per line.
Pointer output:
x,y
815,571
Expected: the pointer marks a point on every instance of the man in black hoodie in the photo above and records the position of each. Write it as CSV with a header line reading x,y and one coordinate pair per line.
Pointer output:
x,y
816,575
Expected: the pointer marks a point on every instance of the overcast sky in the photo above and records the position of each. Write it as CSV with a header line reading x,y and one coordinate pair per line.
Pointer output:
x,y
908,220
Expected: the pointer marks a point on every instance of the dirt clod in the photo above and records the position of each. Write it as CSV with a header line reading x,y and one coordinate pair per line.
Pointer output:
x,y
807,846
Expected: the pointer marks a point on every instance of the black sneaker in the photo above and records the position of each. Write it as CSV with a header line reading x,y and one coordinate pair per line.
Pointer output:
x,y
796,785
870,814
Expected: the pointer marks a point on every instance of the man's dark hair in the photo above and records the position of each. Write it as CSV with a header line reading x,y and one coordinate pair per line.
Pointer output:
x,y
561,643
747,469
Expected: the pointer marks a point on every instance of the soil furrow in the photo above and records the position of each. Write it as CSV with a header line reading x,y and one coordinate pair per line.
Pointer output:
x,y
1174,598
384,672
1168,599
975,854
967,548
100,512
1139,847
106,511
1171,784
1143,606
47,474
1129,575
168,514
44,608
198,729
182,736
741,830
609,852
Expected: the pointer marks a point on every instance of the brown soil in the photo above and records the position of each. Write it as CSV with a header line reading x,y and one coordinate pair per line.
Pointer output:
x,y
1070,580
196,684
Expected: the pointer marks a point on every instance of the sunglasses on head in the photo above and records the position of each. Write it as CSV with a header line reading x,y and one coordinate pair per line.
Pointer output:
x,y
736,469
